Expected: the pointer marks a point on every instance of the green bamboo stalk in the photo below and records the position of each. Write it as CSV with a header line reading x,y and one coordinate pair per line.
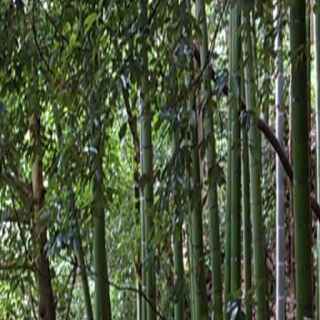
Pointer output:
x,y
247,236
197,255
178,266
255,175
200,306
280,187
102,297
246,217
209,139
227,259
177,216
300,159
235,151
147,174
177,248
185,10
102,306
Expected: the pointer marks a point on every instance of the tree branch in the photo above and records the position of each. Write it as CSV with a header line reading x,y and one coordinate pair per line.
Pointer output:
x,y
14,265
22,188
127,288
265,129
15,216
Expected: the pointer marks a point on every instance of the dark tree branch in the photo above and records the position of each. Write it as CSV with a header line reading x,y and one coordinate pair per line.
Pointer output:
x,y
15,216
132,120
35,37
22,188
132,289
73,282
265,129
14,265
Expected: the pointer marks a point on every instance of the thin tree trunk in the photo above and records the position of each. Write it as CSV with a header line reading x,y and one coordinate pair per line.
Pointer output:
x,y
101,276
189,224
178,266
146,158
39,230
177,234
300,158
255,177
227,235
83,273
81,259
133,124
102,297
247,236
246,217
280,186
178,217
209,140
192,285
317,56
227,258
197,255
199,297
235,92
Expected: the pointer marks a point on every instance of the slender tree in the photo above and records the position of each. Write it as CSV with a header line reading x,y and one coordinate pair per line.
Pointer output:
x,y
177,232
197,255
102,298
247,234
133,124
209,140
39,229
300,158
246,217
102,295
317,56
80,254
235,150
227,247
199,306
255,174
227,236
280,187
146,162
178,217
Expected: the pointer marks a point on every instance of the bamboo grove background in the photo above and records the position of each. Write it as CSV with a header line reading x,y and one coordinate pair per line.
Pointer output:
x,y
159,159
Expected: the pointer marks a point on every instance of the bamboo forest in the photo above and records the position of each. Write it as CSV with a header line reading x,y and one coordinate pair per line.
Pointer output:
x,y
159,160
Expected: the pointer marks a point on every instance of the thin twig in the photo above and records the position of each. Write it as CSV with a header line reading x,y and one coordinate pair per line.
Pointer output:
x,y
135,290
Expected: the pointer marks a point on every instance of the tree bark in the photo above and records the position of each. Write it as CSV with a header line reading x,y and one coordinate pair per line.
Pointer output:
x,y
39,229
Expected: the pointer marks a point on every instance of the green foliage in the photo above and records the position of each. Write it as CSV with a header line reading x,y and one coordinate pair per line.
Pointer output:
x,y
65,60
